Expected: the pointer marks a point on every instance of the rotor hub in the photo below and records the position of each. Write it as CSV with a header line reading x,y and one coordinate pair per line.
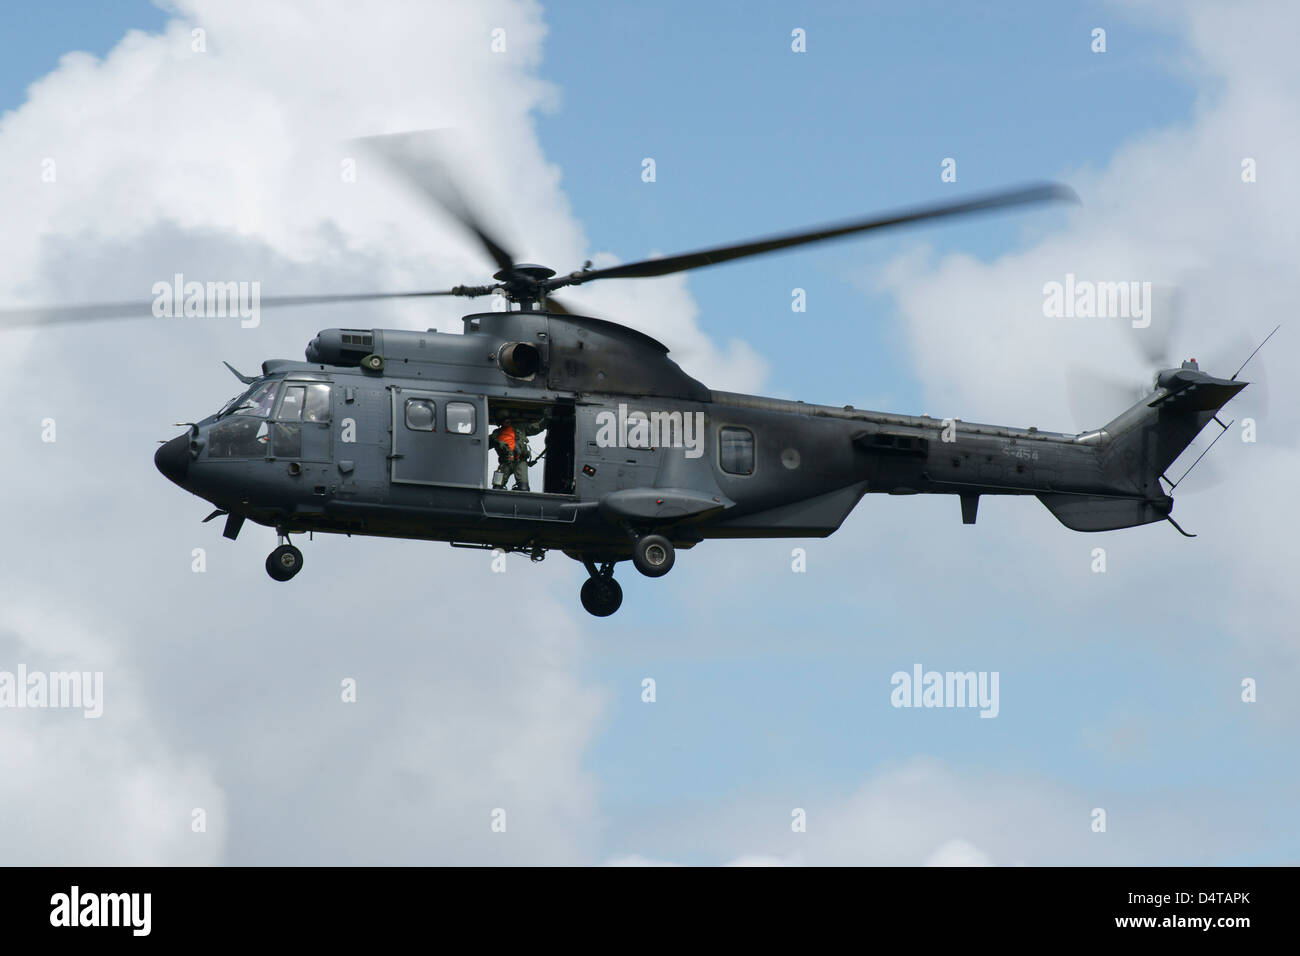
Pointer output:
x,y
532,271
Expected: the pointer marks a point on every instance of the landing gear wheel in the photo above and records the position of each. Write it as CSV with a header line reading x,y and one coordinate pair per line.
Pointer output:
x,y
284,562
653,555
601,596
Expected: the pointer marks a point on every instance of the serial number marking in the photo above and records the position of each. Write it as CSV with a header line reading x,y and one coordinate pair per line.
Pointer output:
x,y
1022,453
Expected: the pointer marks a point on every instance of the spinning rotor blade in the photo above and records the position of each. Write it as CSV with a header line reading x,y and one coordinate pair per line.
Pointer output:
x,y
39,315
1097,397
707,257
556,306
1159,345
409,156
1155,343
427,174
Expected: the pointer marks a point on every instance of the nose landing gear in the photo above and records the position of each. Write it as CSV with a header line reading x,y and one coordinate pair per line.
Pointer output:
x,y
284,562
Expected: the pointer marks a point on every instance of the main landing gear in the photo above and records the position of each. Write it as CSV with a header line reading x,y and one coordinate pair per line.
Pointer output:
x,y
652,554
285,561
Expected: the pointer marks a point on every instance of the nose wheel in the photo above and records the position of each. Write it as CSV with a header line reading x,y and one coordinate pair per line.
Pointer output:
x,y
284,562
601,595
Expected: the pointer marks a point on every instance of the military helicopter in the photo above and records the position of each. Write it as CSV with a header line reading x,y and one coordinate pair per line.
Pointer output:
x,y
387,432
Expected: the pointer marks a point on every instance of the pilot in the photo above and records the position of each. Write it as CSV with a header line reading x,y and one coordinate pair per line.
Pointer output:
x,y
511,443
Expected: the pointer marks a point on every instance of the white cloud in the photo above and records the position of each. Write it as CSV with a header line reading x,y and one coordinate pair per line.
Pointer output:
x,y
958,853
928,812
1170,208
226,164
105,790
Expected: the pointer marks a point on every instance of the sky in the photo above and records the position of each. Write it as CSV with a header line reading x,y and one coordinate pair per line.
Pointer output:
x,y
1120,690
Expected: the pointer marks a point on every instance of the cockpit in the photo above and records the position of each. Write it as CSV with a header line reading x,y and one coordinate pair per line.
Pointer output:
x,y
241,429
284,418
257,401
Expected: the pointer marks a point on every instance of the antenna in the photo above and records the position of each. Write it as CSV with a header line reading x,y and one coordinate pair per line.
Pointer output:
x,y
1252,354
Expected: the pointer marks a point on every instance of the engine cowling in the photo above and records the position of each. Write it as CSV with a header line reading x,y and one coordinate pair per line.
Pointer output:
x,y
341,346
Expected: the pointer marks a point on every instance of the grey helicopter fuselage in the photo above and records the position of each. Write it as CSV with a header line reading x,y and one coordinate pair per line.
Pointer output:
x,y
391,433
385,432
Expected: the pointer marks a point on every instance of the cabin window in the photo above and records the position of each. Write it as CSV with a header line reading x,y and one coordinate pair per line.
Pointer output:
x,y
305,403
420,415
736,450
291,404
317,408
461,418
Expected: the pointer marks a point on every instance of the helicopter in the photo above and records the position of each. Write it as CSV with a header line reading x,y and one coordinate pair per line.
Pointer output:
x,y
390,433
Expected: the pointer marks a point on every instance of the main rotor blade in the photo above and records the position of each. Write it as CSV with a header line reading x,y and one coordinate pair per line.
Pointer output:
x,y
556,307
707,257
43,315
428,174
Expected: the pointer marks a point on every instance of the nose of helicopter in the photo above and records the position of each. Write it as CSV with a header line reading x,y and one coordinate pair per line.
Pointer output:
x,y
173,458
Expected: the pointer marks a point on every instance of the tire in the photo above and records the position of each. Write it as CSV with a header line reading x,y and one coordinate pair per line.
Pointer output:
x,y
601,596
653,555
284,562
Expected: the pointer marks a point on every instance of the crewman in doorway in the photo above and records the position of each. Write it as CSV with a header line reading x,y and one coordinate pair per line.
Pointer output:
x,y
510,439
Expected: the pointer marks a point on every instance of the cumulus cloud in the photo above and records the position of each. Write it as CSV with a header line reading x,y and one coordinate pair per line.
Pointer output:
x,y
928,812
104,789
227,164
1134,673
218,149
1172,208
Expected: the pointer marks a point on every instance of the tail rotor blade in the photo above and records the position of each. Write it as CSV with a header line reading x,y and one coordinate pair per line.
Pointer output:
x,y
1097,397
1155,342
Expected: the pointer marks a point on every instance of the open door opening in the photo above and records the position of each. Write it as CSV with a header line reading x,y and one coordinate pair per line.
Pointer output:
x,y
560,450
531,447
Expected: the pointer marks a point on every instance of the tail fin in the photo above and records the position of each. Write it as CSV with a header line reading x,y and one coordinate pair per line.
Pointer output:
x,y
1138,446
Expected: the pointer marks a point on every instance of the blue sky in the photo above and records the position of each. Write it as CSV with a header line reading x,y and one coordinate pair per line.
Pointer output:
x,y
751,139
773,687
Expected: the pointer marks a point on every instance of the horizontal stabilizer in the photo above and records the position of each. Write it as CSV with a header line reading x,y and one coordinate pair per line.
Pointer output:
x,y
1097,513
1206,396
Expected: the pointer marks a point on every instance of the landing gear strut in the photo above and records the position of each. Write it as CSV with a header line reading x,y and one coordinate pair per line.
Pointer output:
x,y
601,594
284,562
